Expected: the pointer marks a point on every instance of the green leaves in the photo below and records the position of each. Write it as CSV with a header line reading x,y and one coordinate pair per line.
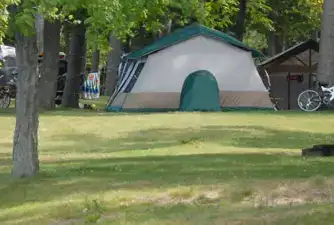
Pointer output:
x,y
4,16
296,19
25,22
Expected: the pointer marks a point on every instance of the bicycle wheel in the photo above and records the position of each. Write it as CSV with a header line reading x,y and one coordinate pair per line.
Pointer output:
x,y
5,101
309,101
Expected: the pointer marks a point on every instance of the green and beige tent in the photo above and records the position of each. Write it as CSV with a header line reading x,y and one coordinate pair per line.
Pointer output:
x,y
192,69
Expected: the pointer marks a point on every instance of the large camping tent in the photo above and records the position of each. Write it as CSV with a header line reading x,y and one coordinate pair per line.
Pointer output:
x,y
194,68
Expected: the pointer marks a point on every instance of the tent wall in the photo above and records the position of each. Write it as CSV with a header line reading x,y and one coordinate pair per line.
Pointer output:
x,y
160,82
165,71
171,100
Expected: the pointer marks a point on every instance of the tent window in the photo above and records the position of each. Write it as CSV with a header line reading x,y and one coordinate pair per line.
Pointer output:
x,y
134,77
127,75
124,70
123,67
125,78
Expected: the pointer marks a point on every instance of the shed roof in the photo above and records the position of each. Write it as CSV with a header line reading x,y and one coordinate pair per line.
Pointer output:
x,y
186,33
299,50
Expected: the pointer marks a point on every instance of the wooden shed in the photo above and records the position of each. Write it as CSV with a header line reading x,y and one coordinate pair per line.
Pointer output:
x,y
291,72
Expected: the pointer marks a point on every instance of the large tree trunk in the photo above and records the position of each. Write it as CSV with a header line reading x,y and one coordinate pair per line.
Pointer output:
x,y
39,25
240,22
95,61
113,63
314,35
66,31
271,44
25,146
127,45
76,60
50,67
325,73
274,46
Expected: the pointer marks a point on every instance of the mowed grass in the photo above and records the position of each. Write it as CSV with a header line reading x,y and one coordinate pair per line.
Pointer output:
x,y
172,168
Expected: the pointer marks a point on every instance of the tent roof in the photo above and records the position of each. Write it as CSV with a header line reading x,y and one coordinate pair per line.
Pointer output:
x,y
186,33
7,51
293,51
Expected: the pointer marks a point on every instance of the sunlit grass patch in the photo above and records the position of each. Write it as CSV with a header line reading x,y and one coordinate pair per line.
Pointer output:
x,y
171,168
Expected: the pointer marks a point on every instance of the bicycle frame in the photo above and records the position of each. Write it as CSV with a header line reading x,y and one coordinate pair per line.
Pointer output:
x,y
329,90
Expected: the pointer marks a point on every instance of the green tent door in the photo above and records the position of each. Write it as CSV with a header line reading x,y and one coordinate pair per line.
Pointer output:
x,y
200,92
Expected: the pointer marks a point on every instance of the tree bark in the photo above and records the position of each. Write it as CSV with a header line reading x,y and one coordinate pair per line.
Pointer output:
x,y
127,45
95,61
113,63
325,73
25,143
240,22
48,81
271,44
39,25
167,28
76,61
314,35
67,37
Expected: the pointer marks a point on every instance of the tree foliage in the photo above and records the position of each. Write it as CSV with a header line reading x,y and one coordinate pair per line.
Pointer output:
x,y
292,20
4,16
296,19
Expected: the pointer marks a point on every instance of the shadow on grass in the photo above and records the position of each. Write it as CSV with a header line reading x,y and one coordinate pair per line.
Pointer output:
x,y
63,178
10,112
92,176
201,213
5,159
61,112
236,136
76,113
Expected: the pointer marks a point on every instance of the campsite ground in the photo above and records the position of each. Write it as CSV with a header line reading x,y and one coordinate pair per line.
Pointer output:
x,y
173,168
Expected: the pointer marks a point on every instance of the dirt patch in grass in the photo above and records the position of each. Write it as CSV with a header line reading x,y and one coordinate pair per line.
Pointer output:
x,y
261,195
177,196
315,190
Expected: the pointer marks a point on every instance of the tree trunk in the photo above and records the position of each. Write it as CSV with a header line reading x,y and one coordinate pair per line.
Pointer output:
x,y
167,28
48,81
113,63
274,46
76,60
95,61
25,143
39,25
240,22
284,40
314,35
271,44
325,73
67,37
127,45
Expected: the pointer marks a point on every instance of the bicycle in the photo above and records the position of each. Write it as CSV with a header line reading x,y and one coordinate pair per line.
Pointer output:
x,y
7,92
311,100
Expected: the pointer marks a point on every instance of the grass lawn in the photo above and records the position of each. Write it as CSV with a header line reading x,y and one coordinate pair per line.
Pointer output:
x,y
172,168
